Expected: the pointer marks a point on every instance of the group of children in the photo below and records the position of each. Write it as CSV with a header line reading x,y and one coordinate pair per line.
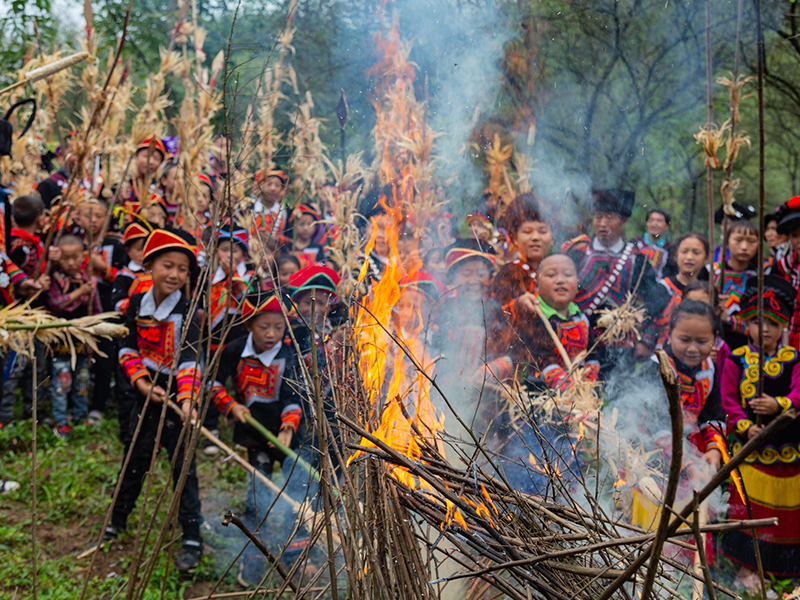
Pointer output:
x,y
487,303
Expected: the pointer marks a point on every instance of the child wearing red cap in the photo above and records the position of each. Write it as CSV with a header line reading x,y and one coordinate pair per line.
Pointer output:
x,y
131,280
315,285
308,234
265,370
223,316
157,321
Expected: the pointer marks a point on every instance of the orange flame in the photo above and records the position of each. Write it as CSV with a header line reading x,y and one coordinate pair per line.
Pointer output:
x,y
549,470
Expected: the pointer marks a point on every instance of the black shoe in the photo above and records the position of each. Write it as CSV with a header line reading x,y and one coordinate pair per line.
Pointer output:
x,y
252,569
189,556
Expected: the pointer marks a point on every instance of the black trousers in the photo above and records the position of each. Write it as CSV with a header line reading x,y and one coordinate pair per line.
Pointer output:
x,y
189,515
103,370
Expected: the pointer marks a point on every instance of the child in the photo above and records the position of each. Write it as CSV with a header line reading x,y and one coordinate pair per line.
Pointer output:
x,y
434,263
698,291
130,281
267,380
167,178
149,156
70,293
420,294
270,192
107,257
742,243
308,235
26,251
319,283
530,235
156,321
789,265
771,474
286,266
688,255
693,328
542,366
228,286
223,321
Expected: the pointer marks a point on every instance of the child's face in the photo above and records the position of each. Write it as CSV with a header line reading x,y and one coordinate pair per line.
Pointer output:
x,y
272,191
229,255
772,333
692,339
323,301
155,216
71,259
134,250
691,257
380,226
701,296
558,281
743,246
408,252
305,227
98,218
41,221
472,278
794,240
286,270
202,199
436,265
412,310
533,241
170,272
268,329
168,181
143,167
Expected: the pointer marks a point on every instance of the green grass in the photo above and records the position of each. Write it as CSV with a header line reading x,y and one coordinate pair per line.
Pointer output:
x,y
75,482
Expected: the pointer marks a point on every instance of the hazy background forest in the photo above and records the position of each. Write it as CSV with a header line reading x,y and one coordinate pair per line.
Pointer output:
x,y
609,92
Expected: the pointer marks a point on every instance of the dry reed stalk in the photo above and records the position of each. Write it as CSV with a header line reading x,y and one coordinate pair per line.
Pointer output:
x,y
48,70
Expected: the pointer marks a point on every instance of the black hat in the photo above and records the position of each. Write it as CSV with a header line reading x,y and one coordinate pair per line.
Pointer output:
x,y
779,297
788,216
613,200
741,211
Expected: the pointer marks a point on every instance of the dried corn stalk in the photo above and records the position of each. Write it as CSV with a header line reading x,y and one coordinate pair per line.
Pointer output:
x,y
307,160
728,192
711,138
20,324
733,144
735,92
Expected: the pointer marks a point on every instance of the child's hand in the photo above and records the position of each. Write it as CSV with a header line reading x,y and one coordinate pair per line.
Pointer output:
x,y
765,405
44,282
238,412
54,253
158,394
753,431
722,307
98,262
528,302
285,436
28,287
713,354
187,409
713,457
642,350
86,289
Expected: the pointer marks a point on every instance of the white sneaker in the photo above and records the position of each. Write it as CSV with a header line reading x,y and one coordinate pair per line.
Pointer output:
x,y
95,417
210,449
7,486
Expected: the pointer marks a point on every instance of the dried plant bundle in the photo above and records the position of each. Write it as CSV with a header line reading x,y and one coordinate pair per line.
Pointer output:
x,y
735,92
20,324
711,137
622,323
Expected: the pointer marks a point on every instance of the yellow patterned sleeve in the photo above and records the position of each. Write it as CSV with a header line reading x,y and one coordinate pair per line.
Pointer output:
x,y
743,425
785,403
